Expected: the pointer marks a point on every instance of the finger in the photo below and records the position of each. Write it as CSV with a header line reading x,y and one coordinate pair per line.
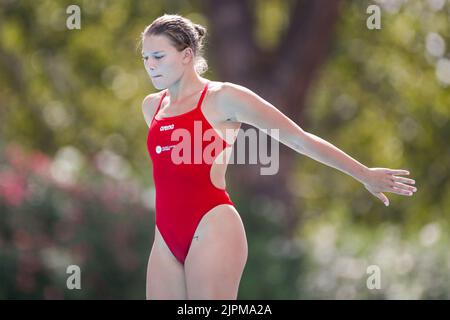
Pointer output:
x,y
401,192
405,187
402,172
383,198
404,180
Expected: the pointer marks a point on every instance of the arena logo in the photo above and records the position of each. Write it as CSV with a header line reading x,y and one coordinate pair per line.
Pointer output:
x,y
167,127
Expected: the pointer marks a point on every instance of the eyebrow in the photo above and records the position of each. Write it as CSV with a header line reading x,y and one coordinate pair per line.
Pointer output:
x,y
153,52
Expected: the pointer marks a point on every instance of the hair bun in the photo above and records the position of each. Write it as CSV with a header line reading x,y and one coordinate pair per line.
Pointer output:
x,y
200,30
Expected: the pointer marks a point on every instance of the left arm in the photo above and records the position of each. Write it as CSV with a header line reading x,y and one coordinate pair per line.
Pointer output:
x,y
245,106
242,105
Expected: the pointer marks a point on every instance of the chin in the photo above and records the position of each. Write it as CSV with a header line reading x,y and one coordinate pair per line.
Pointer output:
x,y
158,86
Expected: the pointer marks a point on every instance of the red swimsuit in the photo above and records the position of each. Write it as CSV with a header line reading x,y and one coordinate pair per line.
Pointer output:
x,y
184,191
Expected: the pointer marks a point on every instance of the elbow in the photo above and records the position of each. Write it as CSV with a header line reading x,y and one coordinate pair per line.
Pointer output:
x,y
298,143
303,142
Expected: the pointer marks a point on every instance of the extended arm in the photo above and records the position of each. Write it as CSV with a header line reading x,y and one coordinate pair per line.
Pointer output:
x,y
243,105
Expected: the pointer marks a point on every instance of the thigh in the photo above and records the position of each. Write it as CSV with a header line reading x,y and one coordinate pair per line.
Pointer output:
x,y
165,274
217,255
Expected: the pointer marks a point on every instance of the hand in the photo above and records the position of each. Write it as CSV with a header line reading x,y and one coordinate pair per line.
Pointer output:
x,y
381,180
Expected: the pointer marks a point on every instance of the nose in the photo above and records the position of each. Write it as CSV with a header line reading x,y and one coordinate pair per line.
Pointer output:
x,y
148,65
151,66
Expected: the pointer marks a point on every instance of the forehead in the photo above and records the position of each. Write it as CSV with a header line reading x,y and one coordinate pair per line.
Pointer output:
x,y
154,43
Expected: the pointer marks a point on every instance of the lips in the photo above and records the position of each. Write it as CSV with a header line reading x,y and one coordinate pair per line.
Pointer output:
x,y
156,76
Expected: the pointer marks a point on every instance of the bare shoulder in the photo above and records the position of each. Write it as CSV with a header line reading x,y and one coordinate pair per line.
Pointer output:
x,y
221,90
149,105
224,96
244,105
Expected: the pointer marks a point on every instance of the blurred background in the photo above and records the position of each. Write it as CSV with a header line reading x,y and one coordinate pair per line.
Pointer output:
x,y
76,180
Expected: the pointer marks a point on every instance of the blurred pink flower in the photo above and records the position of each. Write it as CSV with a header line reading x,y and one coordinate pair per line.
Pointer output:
x,y
12,187
39,163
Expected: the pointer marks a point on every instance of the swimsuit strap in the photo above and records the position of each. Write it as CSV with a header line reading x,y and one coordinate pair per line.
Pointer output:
x,y
202,96
198,107
199,103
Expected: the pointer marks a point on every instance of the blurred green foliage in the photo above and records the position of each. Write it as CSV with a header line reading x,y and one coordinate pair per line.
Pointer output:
x,y
383,98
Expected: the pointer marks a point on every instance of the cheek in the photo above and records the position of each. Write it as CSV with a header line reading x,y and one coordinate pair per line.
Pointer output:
x,y
168,65
174,64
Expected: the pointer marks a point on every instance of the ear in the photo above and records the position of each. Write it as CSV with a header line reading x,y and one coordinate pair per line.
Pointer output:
x,y
187,54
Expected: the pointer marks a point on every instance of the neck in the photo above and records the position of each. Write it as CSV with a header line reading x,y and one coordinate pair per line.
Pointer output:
x,y
186,86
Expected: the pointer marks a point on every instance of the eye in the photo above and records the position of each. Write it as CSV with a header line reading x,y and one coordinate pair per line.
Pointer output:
x,y
146,58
